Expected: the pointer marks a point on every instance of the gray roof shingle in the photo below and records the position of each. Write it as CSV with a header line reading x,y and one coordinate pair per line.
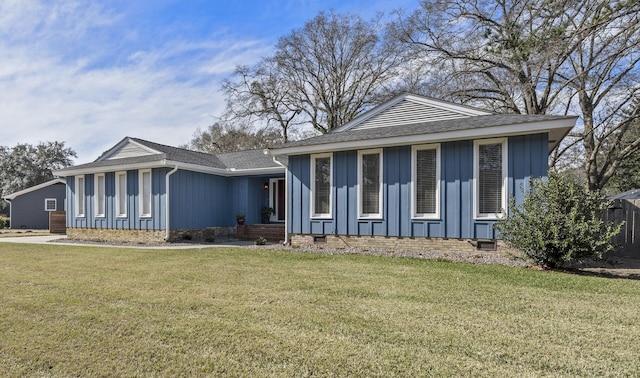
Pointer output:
x,y
252,159
475,122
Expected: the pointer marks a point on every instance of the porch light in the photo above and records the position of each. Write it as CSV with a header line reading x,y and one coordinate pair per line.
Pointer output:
x,y
265,186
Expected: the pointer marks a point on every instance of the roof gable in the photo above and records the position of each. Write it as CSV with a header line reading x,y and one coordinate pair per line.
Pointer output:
x,y
34,188
407,109
127,148
134,153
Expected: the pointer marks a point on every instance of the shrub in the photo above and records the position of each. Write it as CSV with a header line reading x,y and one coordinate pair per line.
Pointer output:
x,y
4,222
261,241
558,223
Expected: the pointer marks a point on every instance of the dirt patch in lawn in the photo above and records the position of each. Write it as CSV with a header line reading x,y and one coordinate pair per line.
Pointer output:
x,y
10,233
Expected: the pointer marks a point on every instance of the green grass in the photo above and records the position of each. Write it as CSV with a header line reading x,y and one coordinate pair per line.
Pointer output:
x,y
79,311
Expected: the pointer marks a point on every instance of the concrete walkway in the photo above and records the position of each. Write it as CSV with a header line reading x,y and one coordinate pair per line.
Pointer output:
x,y
60,240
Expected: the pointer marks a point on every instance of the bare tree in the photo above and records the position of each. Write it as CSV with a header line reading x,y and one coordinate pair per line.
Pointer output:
x,y
261,94
324,74
539,57
221,137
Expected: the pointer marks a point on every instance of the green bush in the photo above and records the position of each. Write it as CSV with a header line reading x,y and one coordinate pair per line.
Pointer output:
x,y
558,223
4,222
261,241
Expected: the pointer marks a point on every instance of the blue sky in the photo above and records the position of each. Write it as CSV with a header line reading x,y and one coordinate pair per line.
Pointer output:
x,y
90,73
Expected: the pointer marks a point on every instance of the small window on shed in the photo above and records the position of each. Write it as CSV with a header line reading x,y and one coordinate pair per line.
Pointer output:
x,y
50,204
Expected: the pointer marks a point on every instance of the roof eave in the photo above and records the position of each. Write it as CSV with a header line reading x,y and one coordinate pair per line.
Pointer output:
x,y
560,128
12,196
168,163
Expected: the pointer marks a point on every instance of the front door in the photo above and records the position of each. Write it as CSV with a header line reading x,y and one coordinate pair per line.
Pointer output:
x,y
276,199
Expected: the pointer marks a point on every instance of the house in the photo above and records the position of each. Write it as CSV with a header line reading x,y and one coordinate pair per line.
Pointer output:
x,y
30,208
412,173
415,173
144,191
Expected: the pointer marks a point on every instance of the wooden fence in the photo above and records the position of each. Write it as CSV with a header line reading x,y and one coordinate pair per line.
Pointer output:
x,y
628,240
58,222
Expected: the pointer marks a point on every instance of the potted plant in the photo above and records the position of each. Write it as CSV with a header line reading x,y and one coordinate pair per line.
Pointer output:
x,y
240,217
266,214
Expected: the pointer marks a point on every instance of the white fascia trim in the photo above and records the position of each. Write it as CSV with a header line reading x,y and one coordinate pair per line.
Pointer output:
x,y
253,171
171,164
111,168
467,134
34,188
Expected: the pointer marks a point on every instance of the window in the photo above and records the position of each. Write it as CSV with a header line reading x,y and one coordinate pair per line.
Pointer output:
x,y
99,195
321,182
121,194
50,204
145,193
80,200
426,181
490,176
370,184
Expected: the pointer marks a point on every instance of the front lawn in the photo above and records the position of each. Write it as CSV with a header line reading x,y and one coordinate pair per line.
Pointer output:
x,y
78,311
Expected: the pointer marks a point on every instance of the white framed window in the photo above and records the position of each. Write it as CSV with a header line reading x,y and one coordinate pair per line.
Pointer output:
x,y
121,194
490,178
370,184
50,204
425,181
100,196
79,197
321,184
144,178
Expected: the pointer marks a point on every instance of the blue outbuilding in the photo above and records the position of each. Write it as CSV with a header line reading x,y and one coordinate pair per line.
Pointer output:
x,y
30,208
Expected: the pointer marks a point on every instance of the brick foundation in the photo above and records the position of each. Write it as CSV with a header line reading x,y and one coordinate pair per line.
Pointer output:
x,y
151,236
391,244
273,232
132,236
207,234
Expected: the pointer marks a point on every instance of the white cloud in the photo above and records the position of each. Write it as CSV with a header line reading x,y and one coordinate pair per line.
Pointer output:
x,y
56,82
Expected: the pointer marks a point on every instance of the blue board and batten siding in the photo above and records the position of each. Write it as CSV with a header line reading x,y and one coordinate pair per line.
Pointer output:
x,y
132,221
527,158
197,200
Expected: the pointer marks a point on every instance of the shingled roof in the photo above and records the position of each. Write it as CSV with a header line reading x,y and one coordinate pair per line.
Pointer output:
x,y
135,153
431,121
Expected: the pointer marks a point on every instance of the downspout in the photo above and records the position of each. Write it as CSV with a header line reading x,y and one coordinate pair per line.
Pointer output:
x,y
167,204
286,200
